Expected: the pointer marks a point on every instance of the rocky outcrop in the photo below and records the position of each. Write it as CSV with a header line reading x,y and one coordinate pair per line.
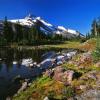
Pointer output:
x,y
62,75
89,95
95,75
85,60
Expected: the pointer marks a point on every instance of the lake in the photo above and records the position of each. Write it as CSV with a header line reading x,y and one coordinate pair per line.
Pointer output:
x,y
9,71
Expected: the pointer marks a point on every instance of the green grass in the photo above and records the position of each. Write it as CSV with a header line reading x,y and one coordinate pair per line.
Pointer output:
x,y
36,85
66,44
45,86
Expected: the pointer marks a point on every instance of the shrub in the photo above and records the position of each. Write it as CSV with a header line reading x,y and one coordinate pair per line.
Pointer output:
x,y
96,52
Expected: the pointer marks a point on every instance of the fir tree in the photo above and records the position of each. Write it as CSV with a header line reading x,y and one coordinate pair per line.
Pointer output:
x,y
94,28
7,31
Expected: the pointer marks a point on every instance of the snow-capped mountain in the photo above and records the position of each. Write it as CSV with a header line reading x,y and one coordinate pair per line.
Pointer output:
x,y
46,27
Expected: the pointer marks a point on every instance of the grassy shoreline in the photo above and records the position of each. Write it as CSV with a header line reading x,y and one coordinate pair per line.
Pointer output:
x,y
46,86
65,45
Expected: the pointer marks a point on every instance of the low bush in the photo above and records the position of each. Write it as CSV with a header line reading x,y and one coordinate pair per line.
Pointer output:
x,y
96,52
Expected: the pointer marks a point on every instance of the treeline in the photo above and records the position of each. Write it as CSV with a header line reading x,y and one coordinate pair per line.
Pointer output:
x,y
95,29
23,35
95,33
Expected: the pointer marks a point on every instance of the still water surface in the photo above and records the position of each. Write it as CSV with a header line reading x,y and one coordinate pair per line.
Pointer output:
x,y
8,71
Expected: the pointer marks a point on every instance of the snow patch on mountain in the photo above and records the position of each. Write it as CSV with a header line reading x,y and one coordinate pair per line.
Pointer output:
x,y
72,31
44,22
62,28
46,27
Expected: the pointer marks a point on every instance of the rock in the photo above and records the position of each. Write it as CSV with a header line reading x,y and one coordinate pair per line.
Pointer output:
x,y
35,64
58,77
68,75
15,95
58,69
17,78
82,87
27,62
48,73
89,95
86,57
90,75
84,60
8,98
29,84
15,62
23,87
98,64
71,54
48,54
47,63
27,80
31,65
59,62
59,59
60,74
46,98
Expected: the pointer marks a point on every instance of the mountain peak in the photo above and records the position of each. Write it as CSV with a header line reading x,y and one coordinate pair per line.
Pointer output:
x,y
30,16
31,20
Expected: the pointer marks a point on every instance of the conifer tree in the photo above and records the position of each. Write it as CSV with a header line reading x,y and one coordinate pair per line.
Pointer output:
x,y
7,31
94,28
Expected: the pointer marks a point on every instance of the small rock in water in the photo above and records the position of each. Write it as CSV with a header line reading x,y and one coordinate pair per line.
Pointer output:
x,y
59,62
18,77
27,62
14,62
24,86
8,98
35,63
31,65
26,80
38,65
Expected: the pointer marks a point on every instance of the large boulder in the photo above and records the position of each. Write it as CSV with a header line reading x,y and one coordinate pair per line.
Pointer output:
x,y
69,75
62,75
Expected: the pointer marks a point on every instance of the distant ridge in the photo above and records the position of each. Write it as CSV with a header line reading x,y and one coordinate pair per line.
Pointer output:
x,y
31,20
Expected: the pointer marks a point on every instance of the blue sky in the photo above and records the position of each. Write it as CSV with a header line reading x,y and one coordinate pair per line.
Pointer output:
x,y
75,14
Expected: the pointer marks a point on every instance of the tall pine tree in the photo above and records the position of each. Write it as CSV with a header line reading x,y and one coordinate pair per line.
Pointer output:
x,y
8,32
